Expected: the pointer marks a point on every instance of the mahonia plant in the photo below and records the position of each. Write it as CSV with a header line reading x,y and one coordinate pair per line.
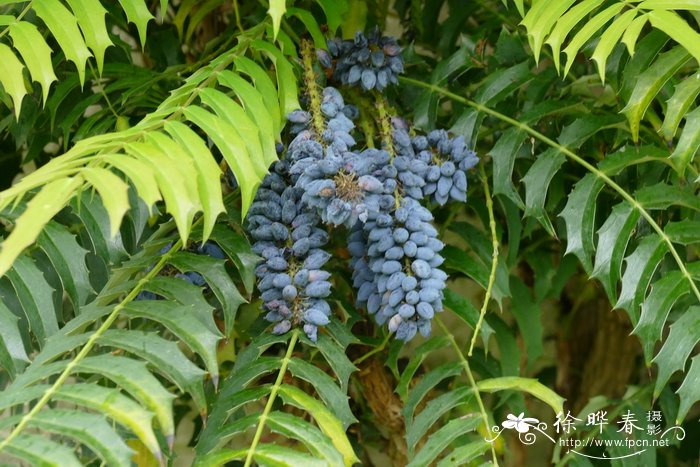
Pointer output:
x,y
325,180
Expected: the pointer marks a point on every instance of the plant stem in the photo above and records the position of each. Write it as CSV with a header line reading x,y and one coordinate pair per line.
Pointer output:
x,y
374,351
576,158
472,383
494,257
271,400
307,58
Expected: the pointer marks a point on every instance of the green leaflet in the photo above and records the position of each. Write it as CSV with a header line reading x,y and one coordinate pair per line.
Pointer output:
x,y
248,174
677,106
418,356
426,383
113,192
579,216
689,391
664,293
286,80
100,437
613,237
609,39
663,196
537,181
248,132
463,454
95,220
685,232
215,274
208,173
443,437
587,31
336,358
629,38
265,454
459,260
681,340
178,320
689,142
37,450
434,409
310,24
135,379
138,14
528,316
164,356
117,406
68,259
91,19
640,266
329,392
36,55
255,107
649,83
173,175
504,153
276,12
265,87
326,421
187,295
11,77
238,248
34,294
315,441
677,28
528,385
540,19
51,199
566,23
13,356
64,27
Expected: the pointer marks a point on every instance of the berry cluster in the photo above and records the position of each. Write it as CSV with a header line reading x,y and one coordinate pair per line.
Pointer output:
x,y
325,178
371,61
287,235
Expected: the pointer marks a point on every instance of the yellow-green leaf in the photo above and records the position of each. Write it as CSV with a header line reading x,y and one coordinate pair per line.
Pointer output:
x,y
139,173
138,14
64,28
35,52
172,183
677,106
276,11
113,191
46,204
330,425
540,19
530,385
208,173
678,29
566,23
648,84
629,38
91,19
609,39
689,142
232,148
587,31
11,77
